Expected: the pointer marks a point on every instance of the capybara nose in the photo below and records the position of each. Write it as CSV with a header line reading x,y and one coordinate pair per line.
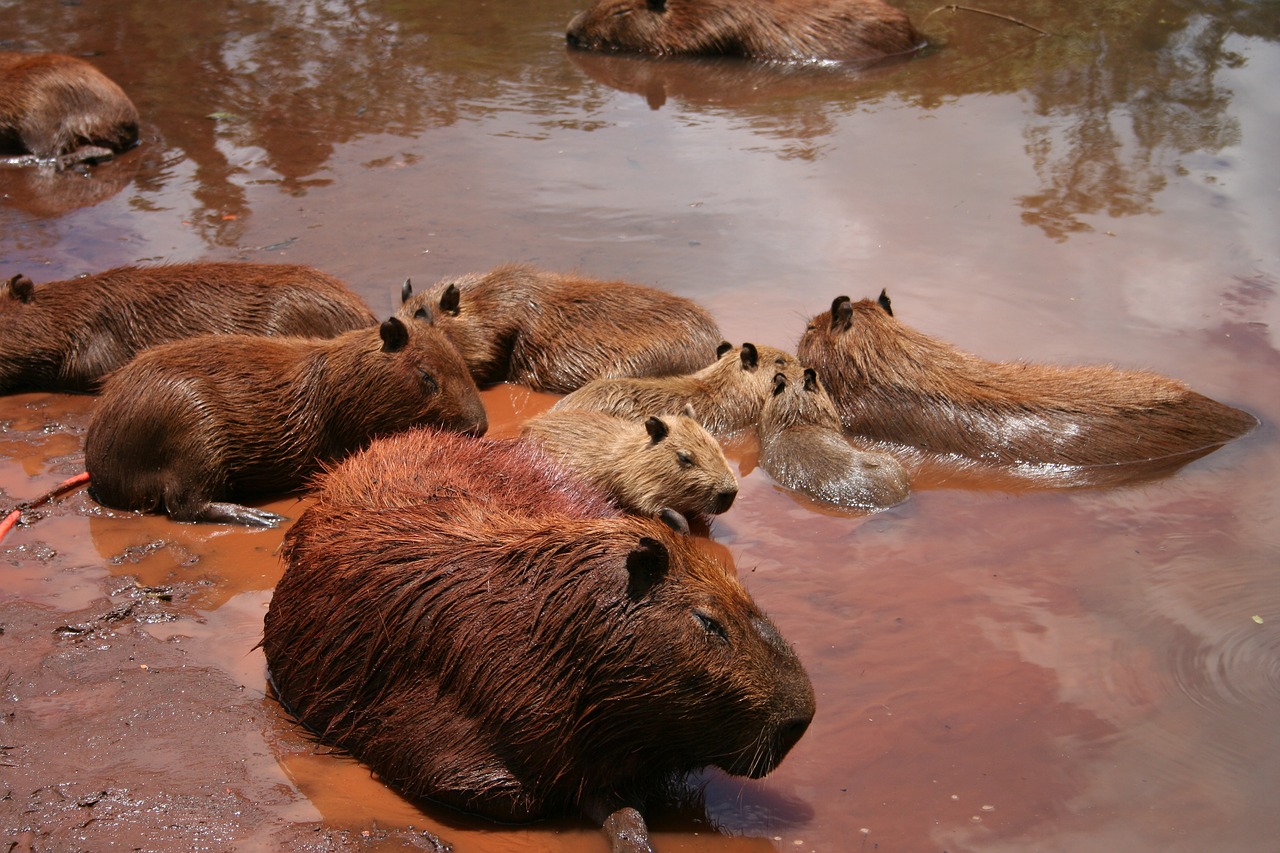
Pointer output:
x,y
724,500
571,39
479,428
790,732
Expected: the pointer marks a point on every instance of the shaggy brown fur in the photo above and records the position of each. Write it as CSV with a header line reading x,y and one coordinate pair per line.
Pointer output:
x,y
515,653
61,108
68,335
802,448
893,383
726,396
187,426
668,461
787,30
556,332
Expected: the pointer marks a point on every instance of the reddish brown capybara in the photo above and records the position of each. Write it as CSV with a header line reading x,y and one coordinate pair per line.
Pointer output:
x,y
668,461
803,449
779,30
893,383
188,427
68,335
62,109
726,396
494,645
556,332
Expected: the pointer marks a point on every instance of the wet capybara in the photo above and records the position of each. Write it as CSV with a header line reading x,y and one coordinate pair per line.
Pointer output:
x,y
779,30
497,646
62,109
726,396
803,448
893,383
68,335
556,332
190,426
667,461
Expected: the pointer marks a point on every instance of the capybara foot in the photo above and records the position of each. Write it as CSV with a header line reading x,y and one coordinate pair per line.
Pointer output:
x,y
229,513
627,831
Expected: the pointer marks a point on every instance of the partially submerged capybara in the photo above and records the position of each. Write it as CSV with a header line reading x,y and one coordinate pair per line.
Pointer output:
x,y
668,461
62,109
499,646
785,30
556,332
68,335
188,427
726,396
893,383
803,449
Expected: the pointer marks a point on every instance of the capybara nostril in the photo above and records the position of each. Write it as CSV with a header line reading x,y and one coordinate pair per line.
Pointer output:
x,y
724,500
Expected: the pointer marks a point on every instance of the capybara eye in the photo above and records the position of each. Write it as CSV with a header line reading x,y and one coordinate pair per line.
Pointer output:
x,y
685,458
618,13
428,381
711,626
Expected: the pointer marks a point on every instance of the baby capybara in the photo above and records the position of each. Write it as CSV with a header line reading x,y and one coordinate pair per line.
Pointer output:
x,y
482,639
190,426
68,335
668,461
780,30
726,396
893,383
803,449
556,332
60,108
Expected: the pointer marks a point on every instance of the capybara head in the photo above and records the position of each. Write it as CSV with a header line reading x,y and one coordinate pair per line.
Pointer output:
x,y
477,325
793,403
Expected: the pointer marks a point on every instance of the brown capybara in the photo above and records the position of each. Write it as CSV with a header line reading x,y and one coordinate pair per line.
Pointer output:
x,y
726,396
61,109
668,461
803,449
895,384
778,30
187,427
68,335
494,645
556,332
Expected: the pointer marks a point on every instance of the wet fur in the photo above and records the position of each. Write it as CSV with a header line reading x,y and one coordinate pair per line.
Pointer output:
x,y
68,335
556,332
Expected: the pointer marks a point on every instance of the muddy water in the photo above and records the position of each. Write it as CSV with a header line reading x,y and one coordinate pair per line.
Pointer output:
x,y
1051,670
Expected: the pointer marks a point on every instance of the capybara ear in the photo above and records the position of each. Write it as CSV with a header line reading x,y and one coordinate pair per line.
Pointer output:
x,y
406,290
394,335
450,299
724,347
656,428
779,382
658,6
673,519
810,380
750,358
646,567
689,412
884,302
841,312
20,288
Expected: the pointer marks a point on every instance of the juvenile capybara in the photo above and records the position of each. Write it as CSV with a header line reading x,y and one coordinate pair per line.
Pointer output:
x,y
803,449
495,645
188,427
892,383
668,461
68,335
778,30
556,332
726,396
61,108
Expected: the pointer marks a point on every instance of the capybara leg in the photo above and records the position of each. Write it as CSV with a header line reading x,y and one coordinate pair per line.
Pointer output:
x,y
91,154
627,831
227,513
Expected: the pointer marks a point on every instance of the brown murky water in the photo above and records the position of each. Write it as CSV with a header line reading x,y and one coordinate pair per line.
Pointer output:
x,y
996,671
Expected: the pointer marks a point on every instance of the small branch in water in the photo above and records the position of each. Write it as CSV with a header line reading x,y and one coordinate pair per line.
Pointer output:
x,y
953,7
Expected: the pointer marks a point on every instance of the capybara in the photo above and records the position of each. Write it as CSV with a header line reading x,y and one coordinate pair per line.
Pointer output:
x,y
502,647
779,30
892,383
62,109
68,335
187,427
555,332
726,396
667,461
803,449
